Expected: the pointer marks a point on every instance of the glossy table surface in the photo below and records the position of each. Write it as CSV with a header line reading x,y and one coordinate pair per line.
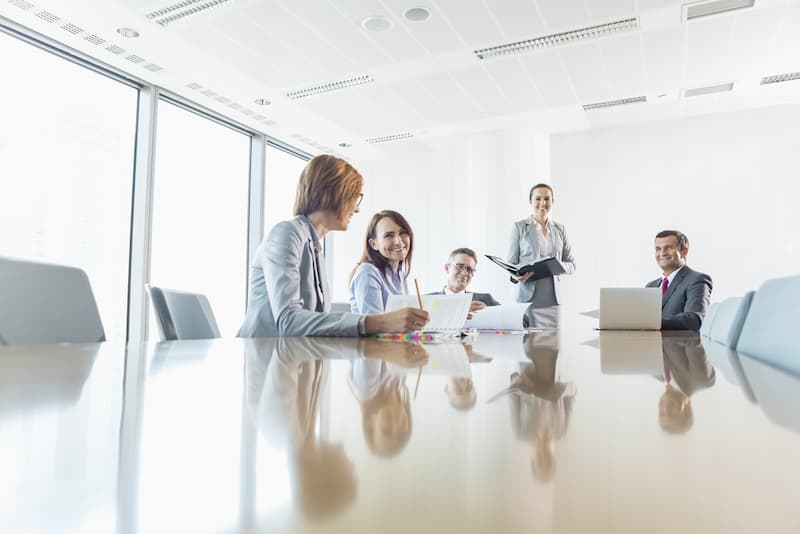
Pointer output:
x,y
549,432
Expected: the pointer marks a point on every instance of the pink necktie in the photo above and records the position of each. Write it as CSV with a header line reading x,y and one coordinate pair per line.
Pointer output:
x,y
664,284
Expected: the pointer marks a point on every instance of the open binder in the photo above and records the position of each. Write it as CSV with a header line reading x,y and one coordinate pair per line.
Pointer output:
x,y
542,268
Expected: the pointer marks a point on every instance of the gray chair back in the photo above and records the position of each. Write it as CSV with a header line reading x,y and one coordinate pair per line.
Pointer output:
x,y
46,303
770,332
708,320
729,318
182,315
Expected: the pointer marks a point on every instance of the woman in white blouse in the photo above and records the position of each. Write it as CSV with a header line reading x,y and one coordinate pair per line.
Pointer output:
x,y
534,238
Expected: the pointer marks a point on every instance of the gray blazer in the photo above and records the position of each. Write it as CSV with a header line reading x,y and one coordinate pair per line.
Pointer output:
x,y
686,301
288,291
522,248
486,298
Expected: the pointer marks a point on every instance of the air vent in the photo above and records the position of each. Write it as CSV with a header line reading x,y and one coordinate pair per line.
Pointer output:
x,y
222,100
95,40
194,85
330,86
133,58
47,17
209,93
778,78
705,8
152,67
389,138
71,28
181,10
248,112
558,39
22,4
614,103
114,49
708,90
235,106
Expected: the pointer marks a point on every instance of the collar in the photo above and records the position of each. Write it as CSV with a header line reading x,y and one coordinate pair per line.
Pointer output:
x,y
672,275
312,232
448,292
534,222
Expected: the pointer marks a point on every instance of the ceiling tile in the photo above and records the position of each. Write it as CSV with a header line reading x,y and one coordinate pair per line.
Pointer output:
x,y
586,69
484,90
440,100
608,10
624,62
516,83
560,15
548,73
753,34
785,55
471,21
663,58
434,34
707,50
517,20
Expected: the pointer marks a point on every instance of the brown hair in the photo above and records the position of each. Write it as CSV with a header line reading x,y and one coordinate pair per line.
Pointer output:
x,y
370,255
537,186
680,237
327,183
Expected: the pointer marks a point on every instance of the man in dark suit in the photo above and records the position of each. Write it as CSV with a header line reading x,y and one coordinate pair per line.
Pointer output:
x,y
685,293
460,269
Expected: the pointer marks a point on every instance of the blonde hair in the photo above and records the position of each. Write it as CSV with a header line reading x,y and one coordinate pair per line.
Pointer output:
x,y
327,183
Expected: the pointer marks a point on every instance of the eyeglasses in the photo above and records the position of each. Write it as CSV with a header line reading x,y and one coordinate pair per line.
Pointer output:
x,y
460,267
360,198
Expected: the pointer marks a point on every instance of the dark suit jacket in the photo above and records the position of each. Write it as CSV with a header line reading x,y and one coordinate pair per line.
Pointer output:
x,y
686,358
486,298
686,301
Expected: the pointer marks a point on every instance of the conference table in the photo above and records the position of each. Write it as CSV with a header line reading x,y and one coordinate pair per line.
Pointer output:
x,y
570,431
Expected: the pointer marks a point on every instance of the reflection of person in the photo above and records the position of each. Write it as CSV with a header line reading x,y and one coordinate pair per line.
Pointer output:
x,y
686,370
385,406
532,239
685,293
288,290
384,264
541,404
460,268
285,392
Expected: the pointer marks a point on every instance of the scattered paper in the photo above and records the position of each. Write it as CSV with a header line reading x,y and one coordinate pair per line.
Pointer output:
x,y
504,317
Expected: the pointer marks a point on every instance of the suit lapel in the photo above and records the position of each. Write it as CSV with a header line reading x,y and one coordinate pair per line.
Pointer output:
x,y
672,287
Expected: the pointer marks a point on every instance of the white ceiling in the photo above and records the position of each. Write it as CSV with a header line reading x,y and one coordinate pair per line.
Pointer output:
x,y
427,80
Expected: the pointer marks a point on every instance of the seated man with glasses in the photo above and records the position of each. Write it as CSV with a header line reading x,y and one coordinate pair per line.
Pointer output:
x,y
460,269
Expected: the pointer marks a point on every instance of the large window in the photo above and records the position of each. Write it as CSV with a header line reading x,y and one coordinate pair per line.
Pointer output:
x,y
66,170
200,207
282,171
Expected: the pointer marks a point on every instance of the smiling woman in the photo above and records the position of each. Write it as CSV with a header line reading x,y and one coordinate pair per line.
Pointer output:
x,y
384,265
288,293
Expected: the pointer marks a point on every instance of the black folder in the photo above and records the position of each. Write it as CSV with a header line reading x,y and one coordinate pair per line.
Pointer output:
x,y
542,268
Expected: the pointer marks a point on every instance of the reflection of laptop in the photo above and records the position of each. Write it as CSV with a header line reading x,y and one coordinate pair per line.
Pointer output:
x,y
630,308
631,353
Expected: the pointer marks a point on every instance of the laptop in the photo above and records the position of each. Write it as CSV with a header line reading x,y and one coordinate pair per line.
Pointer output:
x,y
630,308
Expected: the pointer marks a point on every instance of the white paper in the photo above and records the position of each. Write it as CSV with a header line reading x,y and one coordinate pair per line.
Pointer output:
x,y
447,359
447,312
503,317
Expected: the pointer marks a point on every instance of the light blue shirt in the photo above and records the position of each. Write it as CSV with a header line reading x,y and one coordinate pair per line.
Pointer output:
x,y
369,291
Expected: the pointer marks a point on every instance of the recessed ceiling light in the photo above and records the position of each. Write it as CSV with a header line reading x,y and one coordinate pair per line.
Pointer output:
x,y
262,101
417,14
345,145
376,23
330,86
780,78
563,38
128,32
707,90
705,8
388,138
614,103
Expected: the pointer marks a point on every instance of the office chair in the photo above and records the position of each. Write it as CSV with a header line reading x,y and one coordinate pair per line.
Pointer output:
x,y
182,315
46,303
729,318
708,320
770,332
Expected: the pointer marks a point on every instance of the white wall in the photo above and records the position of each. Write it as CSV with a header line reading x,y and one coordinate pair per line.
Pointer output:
x,y
455,192
729,181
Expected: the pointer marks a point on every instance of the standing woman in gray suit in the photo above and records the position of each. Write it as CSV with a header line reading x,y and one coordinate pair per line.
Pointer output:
x,y
534,238
288,291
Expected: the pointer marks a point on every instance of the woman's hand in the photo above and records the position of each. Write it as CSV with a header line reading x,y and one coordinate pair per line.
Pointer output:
x,y
523,278
402,320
